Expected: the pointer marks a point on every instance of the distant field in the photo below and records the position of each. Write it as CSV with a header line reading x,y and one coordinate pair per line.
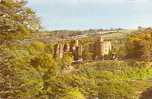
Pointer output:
x,y
117,34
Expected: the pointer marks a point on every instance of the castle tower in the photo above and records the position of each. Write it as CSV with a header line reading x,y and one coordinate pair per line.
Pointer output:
x,y
66,47
107,47
98,48
76,50
61,52
100,39
77,43
58,50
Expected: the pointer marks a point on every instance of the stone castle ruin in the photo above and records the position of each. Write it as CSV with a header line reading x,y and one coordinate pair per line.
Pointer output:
x,y
99,47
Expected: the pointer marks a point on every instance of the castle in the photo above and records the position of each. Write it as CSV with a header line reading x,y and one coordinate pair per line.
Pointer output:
x,y
99,46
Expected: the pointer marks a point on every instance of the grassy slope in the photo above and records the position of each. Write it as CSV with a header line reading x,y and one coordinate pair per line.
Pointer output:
x,y
135,75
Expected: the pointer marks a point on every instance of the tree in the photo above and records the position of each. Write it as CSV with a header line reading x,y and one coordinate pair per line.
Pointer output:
x,y
87,54
16,19
146,94
9,84
67,59
73,93
18,78
139,45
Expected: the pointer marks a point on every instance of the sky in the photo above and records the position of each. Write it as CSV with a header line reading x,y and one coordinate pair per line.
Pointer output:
x,y
92,14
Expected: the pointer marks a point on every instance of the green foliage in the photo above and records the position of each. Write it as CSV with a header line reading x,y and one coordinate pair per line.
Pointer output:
x,y
43,63
67,59
28,70
118,49
22,81
116,79
73,94
87,54
139,45
34,73
38,45
118,90
16,20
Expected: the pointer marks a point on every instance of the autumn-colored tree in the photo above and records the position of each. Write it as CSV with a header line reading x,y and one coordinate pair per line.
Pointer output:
x,y
139,45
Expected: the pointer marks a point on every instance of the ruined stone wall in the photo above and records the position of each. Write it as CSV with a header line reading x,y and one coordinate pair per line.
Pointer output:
x,y
62,47
100,48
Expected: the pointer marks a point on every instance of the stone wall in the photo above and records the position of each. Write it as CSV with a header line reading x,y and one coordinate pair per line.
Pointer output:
x,y
100,48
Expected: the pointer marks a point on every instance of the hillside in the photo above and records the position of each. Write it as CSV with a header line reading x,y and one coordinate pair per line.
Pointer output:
x,y
57,35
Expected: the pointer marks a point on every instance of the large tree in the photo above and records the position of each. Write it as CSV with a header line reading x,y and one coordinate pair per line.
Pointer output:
x,y
139,44
16,18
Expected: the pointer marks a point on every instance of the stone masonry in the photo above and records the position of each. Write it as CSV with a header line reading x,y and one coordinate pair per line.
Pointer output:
x,y
100,48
